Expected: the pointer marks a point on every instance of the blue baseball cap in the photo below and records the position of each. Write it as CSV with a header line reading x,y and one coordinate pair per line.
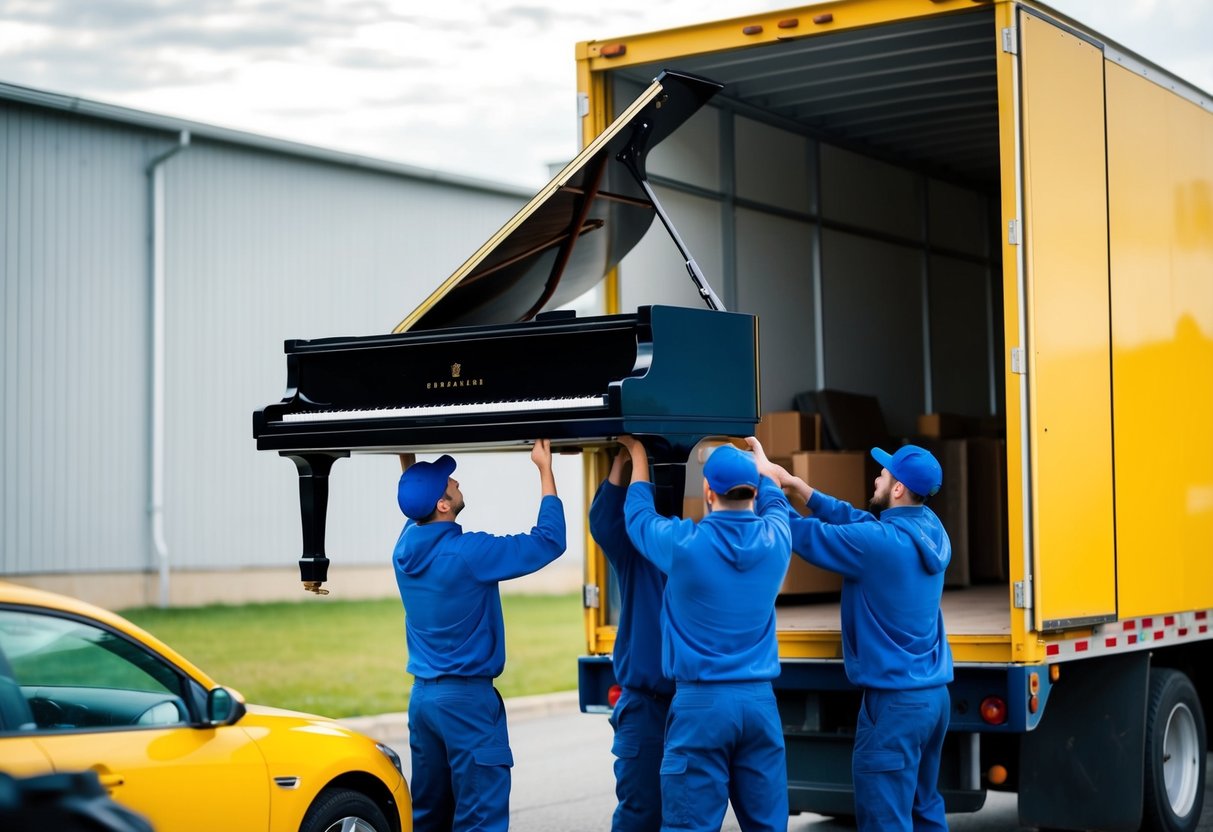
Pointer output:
x,y
728,468
914,467
422,485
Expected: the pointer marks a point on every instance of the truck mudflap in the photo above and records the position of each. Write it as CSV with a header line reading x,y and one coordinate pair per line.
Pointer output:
x,y
1083,766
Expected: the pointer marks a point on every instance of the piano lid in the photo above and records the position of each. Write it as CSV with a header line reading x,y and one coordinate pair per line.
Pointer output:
x,y
573,231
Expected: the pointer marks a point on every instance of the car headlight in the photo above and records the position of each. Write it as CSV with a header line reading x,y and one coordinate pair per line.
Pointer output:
x,y
391,755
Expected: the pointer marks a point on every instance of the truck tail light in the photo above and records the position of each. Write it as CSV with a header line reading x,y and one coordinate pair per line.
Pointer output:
x,y
993,710
613,694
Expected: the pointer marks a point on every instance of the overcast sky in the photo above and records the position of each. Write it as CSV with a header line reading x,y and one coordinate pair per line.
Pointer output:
x,y
473,87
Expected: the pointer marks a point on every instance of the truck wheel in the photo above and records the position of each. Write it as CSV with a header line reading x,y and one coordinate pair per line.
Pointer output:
x,y
343,810
1175,754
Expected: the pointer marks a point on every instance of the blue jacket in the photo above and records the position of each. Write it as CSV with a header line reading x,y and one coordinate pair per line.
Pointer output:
x,y
448,583
893,636
724,573
637,657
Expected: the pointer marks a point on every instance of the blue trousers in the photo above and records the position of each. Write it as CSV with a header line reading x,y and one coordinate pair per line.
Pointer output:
x,y
724,742
898,740
639,721
461,756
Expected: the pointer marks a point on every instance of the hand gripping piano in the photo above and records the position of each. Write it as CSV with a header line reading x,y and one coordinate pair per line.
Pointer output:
x,y
485,364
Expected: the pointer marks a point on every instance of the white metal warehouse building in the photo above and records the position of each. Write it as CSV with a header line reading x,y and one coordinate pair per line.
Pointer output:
x,y
152,268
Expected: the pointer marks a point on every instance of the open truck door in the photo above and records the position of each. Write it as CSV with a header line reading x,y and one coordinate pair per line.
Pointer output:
x,y
1069,331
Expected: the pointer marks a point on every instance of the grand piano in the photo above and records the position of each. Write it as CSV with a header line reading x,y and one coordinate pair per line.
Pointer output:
x,y
489,362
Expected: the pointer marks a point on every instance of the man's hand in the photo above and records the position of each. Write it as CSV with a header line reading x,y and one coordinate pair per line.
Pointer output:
x,y
639,457
766,468
782,478
541,455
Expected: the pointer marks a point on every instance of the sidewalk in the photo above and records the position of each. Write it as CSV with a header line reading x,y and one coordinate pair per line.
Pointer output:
x,y
392,728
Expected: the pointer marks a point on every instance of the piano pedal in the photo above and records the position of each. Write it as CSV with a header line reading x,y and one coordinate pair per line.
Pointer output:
x,y
315,587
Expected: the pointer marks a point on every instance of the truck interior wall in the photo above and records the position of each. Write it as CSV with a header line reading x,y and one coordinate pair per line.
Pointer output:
x,y
779,221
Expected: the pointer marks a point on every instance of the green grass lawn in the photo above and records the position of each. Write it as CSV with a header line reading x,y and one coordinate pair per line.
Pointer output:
x,y
347,658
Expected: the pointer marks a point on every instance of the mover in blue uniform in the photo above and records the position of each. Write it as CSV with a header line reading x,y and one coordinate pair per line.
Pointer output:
x,y
456,640
640,714
893,640
724,737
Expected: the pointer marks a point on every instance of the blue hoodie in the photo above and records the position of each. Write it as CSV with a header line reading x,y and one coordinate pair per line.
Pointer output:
x,y
448,583
893,636
637,654
723,575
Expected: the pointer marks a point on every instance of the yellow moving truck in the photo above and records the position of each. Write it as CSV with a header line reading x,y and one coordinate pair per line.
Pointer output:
x,y
982,209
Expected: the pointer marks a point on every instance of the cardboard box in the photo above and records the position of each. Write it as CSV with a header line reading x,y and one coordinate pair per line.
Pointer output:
x,y
845,475
951,504
784,432
942,425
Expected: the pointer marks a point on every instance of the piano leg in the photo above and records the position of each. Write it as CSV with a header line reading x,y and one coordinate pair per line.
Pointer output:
x,y
313,510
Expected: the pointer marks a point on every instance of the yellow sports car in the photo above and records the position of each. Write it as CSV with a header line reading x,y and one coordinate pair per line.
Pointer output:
x,y
83,689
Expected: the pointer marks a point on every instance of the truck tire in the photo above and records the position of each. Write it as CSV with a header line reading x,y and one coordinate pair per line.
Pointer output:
x,y
343,810
1174,787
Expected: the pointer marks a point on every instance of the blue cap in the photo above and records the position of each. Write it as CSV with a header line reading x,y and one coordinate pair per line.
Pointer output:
x,y
422,485
728,468
914,467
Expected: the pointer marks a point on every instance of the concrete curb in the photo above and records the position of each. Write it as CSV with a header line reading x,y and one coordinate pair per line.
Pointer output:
x,y
394,727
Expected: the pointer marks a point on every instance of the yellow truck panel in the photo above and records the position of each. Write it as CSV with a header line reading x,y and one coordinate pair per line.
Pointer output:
x,y
1161,178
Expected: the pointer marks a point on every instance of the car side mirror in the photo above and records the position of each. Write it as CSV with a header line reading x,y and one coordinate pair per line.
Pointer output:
x,y
224,706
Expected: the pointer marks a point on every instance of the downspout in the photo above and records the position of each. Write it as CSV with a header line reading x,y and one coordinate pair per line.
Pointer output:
x,y
155,171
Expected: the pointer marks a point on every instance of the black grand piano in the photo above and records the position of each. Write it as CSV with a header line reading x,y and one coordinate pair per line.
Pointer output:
x,y
488,362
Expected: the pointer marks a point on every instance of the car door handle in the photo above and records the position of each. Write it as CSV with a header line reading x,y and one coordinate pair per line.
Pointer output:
x,y
110,781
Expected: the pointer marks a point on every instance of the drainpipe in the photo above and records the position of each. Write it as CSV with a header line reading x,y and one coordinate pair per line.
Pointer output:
x,y
155,172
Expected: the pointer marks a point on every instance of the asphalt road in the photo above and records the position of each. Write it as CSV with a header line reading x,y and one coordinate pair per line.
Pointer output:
x,y
563,780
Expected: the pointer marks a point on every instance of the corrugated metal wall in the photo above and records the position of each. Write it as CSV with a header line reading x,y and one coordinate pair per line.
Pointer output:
x,y
260,247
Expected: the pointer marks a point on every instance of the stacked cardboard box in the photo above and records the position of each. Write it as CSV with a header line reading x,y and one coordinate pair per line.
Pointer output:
x,y
972,506
784,432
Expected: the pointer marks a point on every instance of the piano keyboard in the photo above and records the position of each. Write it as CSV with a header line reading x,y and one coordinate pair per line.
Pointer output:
x,y
565,403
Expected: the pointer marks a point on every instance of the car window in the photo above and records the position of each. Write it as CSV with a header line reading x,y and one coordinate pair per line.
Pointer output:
x,y
74,675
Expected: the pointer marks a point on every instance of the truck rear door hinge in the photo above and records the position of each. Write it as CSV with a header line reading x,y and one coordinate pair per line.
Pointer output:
x,y
589,596
1010,40
1021,594
1018,363
1013,232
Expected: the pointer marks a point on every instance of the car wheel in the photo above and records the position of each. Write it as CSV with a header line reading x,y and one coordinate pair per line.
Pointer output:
x,y
1175,754
343,810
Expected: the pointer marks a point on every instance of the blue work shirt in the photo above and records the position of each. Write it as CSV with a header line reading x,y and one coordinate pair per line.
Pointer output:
x,y
893,635
448,583
723,575
637,654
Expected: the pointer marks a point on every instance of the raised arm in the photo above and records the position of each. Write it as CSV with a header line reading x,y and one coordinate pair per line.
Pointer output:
x,y
776,472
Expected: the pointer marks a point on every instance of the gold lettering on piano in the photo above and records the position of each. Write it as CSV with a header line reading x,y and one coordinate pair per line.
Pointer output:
x,y
456,381
460,382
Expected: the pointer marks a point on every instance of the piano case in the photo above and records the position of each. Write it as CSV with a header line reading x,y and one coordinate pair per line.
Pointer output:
x,y
488,361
